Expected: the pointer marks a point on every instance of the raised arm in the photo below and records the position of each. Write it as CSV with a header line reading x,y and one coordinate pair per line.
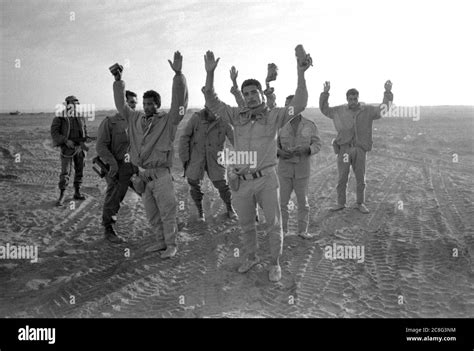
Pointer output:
x,y
229,132
324,102
185,140
387,101
212,101
300,100
271,97
119,96
179,99
239,98
272,73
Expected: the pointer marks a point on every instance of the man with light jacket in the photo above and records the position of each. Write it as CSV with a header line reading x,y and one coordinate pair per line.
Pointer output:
x,y
152,134
255,131
353,123
298,140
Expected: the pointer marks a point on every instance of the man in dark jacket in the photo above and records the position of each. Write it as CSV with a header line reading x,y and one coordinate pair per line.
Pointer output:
x,y
112,147
69,132
199,147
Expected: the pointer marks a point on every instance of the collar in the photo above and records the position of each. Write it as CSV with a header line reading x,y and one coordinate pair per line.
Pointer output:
x,y
360,107
159,114
259,112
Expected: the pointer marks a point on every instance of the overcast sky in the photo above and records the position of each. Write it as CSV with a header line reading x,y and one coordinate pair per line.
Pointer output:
x,y
65,47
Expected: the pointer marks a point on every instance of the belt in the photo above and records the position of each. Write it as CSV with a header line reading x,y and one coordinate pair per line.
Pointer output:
x,y
149,178
257,174
351,144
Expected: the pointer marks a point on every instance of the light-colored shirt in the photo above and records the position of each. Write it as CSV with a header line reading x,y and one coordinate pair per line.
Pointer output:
x,y
153,147
353,125
259,136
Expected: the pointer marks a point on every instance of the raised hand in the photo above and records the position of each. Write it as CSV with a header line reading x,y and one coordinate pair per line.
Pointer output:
x,y
233,75
305,64
177,63
327,86
272,73
210,62
116,71
388,86
269,91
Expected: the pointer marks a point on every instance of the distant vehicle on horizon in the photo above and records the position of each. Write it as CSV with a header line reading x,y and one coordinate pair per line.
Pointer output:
x,y
15,113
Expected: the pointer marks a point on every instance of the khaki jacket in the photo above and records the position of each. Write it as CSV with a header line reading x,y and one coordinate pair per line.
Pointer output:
x,y
153,148
200,143
307,135
353,125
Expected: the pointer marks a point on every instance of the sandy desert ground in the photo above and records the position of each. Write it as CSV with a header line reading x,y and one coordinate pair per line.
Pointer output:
x,y
410,269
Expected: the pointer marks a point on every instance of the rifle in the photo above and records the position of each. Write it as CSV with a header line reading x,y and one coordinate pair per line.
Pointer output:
x,y
104,168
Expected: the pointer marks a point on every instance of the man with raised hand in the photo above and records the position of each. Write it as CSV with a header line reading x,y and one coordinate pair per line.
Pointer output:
x,y
255,131
353,123
298,140
112,147
152,134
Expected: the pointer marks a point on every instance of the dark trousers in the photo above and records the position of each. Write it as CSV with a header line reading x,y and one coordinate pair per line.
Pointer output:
x,y
66,169
116,191
220,185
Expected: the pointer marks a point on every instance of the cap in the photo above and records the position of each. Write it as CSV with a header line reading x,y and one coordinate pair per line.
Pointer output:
x,y
72,98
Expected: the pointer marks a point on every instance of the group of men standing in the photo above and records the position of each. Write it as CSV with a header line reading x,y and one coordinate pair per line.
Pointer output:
x,y
138,149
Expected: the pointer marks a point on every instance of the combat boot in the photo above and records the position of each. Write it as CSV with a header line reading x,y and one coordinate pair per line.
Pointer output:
x,y
231,212
60,201
78,195
201,217
112,236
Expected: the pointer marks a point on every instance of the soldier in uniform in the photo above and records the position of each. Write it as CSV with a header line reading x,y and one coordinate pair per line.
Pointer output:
x,y
112,147
69,132
298,140
353,123
268,92
199,147
152,134
255,131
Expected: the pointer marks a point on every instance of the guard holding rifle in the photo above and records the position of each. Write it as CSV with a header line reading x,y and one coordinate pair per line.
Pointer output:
x,y
69,132
112,147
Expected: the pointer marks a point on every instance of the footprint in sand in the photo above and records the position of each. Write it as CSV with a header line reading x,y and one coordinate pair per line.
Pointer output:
x,y
35,284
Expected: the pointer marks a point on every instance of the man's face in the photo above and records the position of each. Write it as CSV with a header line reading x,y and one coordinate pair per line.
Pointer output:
x,y
149,106
71,107
210,115
252,96
353,101
287,102
132,102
